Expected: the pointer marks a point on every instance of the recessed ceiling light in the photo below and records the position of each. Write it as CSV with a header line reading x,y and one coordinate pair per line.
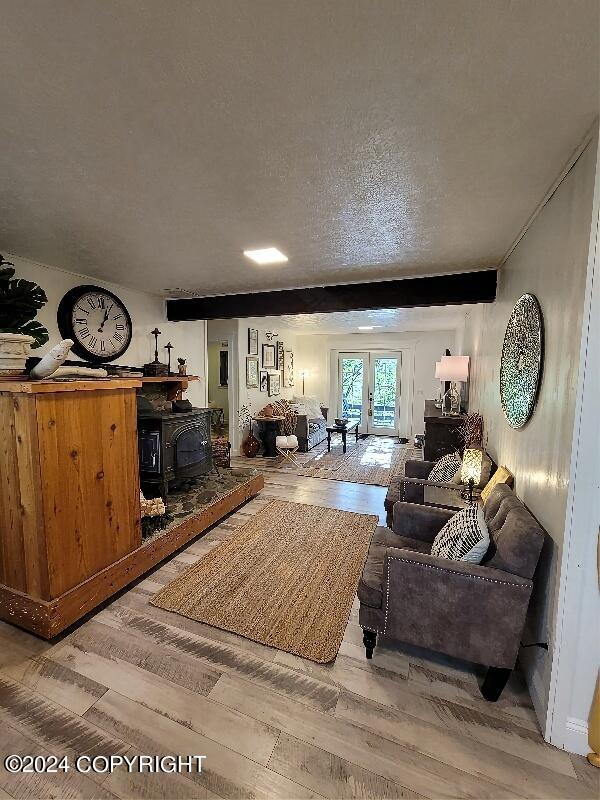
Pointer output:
x,y
268,255
368,327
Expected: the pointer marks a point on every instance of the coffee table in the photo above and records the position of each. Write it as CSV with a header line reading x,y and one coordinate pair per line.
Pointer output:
x,y
344,430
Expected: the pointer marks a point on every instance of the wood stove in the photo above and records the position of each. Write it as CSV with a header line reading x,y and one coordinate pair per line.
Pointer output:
x,y
173,447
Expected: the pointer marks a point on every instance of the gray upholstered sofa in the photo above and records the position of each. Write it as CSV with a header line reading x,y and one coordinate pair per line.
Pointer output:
x,y
311,432
470,611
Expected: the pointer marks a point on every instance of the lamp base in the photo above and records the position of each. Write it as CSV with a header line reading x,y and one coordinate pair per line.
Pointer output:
x,y
451,402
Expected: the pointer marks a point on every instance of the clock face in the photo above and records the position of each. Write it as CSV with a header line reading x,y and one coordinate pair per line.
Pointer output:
x,y
97,321
521,363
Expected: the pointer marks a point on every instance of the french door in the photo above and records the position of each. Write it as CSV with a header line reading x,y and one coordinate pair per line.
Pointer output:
x,y
369,390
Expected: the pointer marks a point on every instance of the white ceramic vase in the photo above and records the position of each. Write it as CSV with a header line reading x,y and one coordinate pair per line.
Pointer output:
x,y
15,349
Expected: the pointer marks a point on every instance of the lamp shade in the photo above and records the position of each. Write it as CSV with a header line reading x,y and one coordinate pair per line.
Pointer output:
x,y
454,368
476,466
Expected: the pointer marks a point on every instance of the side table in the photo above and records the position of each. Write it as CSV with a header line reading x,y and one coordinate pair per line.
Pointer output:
x,y
268,430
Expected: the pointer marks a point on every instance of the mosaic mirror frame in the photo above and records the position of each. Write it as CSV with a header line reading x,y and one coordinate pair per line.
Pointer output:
x,y
522,361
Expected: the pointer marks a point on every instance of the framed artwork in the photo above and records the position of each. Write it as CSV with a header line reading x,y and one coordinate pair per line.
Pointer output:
x,y
280,355
288,368
264,380
274,383
251,372
252,342
269,356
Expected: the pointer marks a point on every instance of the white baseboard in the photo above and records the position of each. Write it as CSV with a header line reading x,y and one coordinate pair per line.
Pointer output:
x,y
576,736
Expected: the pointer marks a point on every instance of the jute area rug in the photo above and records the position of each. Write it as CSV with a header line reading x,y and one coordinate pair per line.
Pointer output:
x,y
375,460
286,579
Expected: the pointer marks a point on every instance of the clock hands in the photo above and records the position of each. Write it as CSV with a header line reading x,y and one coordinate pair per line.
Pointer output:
x,y
104,321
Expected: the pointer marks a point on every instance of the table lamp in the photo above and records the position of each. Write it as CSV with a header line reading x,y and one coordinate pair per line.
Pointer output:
x,y
470,471
438,402
456,370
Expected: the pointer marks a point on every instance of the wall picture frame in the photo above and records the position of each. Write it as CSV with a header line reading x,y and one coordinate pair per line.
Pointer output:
x,y
263,380
251,372
274,383
280,355
269,356
252,342
288,368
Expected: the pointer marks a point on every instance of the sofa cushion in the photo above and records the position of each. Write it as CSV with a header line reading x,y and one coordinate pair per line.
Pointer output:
x,y
310,406
370,585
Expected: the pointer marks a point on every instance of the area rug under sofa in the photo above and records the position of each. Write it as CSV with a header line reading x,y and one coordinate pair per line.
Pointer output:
x,y
286,579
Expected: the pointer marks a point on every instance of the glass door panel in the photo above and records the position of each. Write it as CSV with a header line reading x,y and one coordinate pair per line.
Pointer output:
x,y
384,393
369,390
353,373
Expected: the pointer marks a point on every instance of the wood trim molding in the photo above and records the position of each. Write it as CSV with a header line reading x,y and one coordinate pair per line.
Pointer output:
x,y
439,290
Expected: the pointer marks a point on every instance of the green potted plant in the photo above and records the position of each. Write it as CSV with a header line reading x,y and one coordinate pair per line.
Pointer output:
x,y
20,300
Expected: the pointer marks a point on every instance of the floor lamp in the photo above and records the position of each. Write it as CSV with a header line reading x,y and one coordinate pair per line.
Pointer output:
x,y
304,373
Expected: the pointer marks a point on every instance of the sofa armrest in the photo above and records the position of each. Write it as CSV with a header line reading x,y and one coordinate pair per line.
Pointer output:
x,y
418,469
466,610
302,426
413,489
419,522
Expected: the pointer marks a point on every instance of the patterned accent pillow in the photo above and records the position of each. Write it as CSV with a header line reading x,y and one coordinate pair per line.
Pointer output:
x,y
446,469
465,537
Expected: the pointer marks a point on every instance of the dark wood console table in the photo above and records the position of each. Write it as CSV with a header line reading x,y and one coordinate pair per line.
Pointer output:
x,y
441,433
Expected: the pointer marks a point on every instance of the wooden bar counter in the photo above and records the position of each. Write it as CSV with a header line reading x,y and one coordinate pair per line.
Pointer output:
x,y
70,529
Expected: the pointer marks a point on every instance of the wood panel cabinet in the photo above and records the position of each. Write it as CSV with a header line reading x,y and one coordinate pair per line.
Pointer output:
x,y
69,484
70,533
441,433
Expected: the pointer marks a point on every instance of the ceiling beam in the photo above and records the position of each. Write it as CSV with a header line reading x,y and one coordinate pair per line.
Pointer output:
x,y
439,290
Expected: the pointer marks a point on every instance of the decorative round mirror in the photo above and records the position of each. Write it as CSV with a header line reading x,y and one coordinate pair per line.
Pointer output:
x,y
521,363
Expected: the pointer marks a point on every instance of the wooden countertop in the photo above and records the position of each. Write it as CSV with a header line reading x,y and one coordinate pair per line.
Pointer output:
x,y
170,379
435,414
25,386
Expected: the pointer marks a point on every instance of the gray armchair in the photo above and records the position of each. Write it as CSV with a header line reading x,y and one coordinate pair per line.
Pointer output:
x,y
410,487
473,612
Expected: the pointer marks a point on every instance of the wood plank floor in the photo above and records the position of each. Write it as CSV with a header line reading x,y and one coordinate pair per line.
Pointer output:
x,y
134,679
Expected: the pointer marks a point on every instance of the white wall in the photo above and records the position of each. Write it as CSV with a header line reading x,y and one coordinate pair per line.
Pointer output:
x,y
577,659
317,352
146,312
550,261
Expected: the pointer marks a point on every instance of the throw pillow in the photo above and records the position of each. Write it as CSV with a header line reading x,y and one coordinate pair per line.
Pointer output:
x,y
312,406
465,537
445,469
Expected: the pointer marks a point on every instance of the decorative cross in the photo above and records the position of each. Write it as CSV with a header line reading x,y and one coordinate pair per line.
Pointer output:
x,y
168,348
156,334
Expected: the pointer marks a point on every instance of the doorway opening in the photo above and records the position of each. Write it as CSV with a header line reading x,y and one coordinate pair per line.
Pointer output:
x,y
370,390
218,387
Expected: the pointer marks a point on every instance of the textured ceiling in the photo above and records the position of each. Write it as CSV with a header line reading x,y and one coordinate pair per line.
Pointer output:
x,y
383,321
150,142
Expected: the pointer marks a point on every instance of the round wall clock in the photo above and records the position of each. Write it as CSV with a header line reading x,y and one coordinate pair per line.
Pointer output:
x,y
97,321
521,363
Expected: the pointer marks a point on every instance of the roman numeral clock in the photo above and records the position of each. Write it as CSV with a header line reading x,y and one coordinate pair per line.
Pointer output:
x,y
97,322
